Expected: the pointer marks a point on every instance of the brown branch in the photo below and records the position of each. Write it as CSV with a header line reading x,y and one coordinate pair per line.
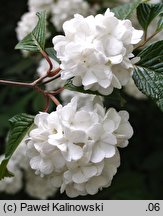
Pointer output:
x,y
13,83
48,60
50,80
55,72
34,84
47,104
54,99
56,91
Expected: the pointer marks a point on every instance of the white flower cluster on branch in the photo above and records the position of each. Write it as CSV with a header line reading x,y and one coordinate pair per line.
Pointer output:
x,y
73,148
95,51
77,147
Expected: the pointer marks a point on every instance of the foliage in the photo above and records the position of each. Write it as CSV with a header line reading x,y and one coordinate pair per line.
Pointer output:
x,y
126,10
148,72
147,12
20,126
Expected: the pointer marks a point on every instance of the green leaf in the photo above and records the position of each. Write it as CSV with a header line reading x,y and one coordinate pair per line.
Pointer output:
x,y
52,53
147,12
148,72
124,11
160,24
35,41
20,126
4,172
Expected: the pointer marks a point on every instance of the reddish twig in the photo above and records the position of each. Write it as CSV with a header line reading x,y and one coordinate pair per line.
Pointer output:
x,y
148,39
54,99
13,83
34,84
54,73
50,80
48,60
47,104
56,91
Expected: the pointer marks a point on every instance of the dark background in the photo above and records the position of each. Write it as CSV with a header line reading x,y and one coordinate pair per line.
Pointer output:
x,y
140,175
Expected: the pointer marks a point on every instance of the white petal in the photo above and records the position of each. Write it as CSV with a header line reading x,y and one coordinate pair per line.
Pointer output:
x,y
95,131
109,125
58,160
136,36
109,139
116,59
75,151
108,149
95,184
89,79
89,171
46,167
98,154
114,116
78,177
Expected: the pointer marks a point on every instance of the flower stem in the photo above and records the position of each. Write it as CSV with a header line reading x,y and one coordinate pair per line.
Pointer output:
x,y
47,104
35,83
56,91
48,60
13,83
50,80
54,99
55,72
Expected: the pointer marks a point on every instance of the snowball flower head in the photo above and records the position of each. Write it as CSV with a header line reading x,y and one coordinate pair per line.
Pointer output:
x,y
95,51
77,146
64,10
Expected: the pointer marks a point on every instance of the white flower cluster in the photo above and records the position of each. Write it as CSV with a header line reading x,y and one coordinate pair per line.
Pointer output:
x,y
76,147
95,51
